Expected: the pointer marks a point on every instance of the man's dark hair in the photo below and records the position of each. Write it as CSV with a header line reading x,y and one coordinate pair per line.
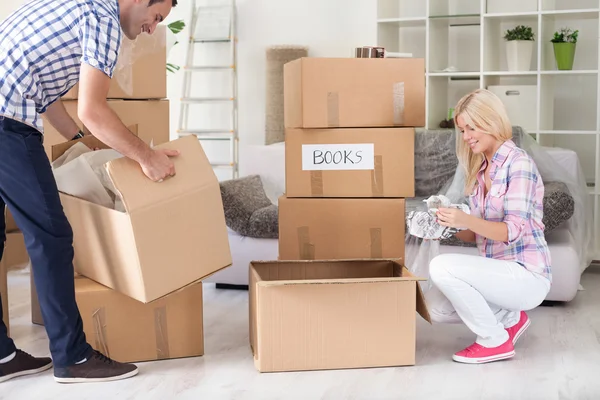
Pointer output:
x,y
152,2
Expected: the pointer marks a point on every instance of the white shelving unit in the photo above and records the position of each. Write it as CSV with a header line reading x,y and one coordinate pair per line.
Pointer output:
x,y
464,49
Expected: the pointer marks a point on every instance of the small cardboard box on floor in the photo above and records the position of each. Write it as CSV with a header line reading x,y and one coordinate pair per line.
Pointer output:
x,y
316,315
141,69
350,162
354,92
147,119
341,228
171,234
129,331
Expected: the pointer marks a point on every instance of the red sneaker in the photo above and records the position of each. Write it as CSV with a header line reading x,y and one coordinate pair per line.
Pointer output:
x,y
517,330
477,354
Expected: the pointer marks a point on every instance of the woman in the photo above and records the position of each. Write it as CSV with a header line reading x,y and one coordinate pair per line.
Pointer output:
x,y
490,292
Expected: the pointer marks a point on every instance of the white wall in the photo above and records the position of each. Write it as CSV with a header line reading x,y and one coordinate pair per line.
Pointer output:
x,y
331,28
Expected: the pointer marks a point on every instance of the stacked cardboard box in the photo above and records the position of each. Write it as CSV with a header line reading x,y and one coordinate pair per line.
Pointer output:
x,y
339,295
138,282
147,263
349,156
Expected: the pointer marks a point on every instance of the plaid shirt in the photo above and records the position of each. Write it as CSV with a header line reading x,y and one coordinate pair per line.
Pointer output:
x,y
42,46
515,198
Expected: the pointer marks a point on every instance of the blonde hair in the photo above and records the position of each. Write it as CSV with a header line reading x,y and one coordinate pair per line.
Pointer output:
x,y
482,110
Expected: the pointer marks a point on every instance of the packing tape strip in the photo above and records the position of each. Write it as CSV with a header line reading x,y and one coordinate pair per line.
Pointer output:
x,y
333,109
100,337
398,102
161,332
316,183
376,243
377,177
306,249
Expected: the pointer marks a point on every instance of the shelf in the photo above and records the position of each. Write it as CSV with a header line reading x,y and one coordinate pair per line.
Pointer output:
x,y
571,72
516,16
403,22
510,73
457,20
463,74
591,13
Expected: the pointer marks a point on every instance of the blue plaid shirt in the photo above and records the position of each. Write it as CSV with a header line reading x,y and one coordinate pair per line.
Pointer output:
x,y
42,46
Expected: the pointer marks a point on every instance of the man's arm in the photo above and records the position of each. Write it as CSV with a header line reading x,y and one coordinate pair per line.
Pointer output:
x,y
101,120
58,117
103,123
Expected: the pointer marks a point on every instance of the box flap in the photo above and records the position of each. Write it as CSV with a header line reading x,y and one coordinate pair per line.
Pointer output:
x,y
421,304
192,170
90,141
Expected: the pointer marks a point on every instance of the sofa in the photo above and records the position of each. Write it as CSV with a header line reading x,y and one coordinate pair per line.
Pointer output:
x,y
253,232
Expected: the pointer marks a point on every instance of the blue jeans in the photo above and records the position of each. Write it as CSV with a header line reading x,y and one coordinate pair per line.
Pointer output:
x,y
28,188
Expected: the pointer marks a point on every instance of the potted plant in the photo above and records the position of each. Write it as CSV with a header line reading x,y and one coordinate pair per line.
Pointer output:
x,y
564,42
174,27
519,48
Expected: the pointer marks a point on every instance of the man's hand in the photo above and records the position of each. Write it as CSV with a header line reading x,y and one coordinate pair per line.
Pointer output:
x,y
158,166
453,218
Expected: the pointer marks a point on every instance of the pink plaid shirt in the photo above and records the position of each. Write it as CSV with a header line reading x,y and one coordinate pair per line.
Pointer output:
x,y
515,198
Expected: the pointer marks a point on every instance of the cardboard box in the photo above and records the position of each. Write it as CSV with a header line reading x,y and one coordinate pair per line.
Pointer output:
x,y
4,293
147,119
352,162
15,252
129,331
172,234
339,228
354,92
146,76
320,315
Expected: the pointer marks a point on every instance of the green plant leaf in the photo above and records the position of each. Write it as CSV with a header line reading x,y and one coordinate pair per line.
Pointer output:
x,y
520,32
173,68
176,26
565,35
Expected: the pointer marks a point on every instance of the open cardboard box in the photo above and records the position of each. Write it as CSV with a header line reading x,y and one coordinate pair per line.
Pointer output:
x,y
172,234
316,315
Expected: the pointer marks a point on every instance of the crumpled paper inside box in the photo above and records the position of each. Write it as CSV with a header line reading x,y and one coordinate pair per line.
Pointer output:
x,y
81,172
423,224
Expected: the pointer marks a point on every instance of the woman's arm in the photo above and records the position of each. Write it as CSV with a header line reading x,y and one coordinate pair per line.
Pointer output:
x,y
492,230
466,235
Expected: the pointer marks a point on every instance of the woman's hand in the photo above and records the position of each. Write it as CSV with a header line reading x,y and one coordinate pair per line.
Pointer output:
x,y
453,218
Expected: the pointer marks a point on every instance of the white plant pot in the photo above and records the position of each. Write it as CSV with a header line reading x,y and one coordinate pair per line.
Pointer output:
x,y
518,54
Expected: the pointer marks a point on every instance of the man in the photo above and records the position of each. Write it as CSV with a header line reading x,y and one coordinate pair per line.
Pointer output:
x,y
45,48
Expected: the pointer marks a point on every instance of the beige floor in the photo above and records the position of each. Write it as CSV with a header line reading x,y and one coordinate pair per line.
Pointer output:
x,y
557,359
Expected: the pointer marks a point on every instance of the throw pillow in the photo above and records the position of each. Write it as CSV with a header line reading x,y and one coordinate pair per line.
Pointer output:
x,y
248,210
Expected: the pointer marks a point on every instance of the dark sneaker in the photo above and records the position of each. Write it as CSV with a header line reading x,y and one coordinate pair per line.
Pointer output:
x,y
23,364
97,368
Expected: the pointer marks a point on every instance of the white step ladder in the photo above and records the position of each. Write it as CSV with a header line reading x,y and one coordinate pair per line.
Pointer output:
x,y
213,22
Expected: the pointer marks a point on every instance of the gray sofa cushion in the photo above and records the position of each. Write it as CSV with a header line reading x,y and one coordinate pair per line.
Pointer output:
x,y
248,210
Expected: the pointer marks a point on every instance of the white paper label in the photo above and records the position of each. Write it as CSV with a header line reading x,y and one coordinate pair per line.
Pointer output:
x,y
323,157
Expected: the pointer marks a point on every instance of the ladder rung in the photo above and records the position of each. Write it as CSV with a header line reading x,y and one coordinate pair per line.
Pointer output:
x,y
209,134
222,165
208,68
211,40
203,131
205,99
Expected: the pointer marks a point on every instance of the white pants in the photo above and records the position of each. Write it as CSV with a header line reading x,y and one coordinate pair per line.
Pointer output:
x,y
486,294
